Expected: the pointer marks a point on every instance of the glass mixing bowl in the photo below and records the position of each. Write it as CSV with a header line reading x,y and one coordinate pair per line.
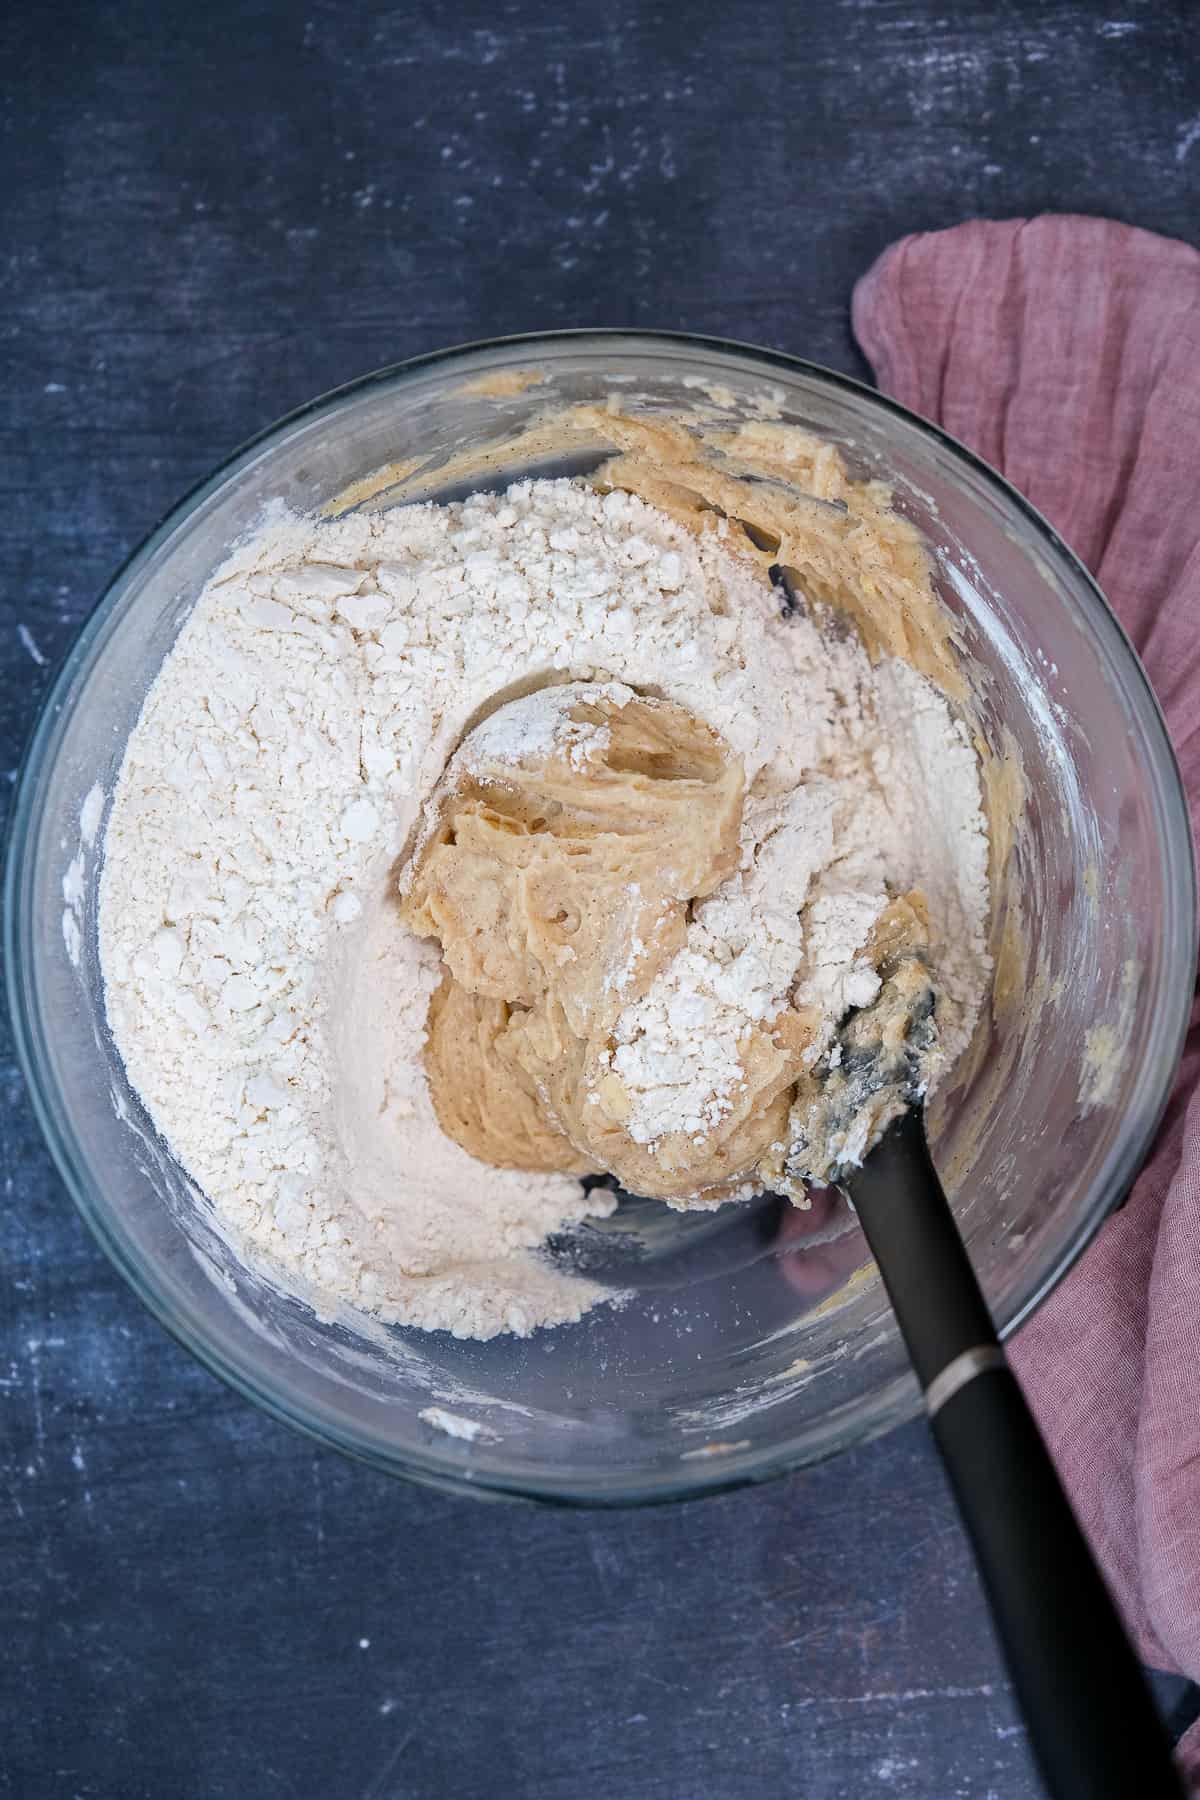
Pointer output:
x,y
755,1340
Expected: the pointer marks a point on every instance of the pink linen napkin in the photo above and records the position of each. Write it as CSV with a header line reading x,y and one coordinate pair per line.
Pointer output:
x,y
1066,351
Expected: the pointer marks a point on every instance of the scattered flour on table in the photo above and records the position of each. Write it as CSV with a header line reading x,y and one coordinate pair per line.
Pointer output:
x,y
266,1000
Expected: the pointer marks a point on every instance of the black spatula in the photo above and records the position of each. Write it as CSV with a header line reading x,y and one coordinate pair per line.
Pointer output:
x,y
1091,1718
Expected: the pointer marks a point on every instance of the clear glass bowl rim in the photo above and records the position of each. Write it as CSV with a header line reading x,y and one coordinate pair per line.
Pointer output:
x,y
899,1401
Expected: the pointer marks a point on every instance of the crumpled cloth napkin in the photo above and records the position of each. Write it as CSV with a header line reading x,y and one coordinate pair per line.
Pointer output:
x,y
1066,351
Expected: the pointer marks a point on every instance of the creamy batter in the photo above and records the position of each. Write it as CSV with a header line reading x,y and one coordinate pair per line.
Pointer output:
x,y
587,847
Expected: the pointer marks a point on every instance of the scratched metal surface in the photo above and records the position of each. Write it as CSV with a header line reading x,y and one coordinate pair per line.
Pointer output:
x,y
208,215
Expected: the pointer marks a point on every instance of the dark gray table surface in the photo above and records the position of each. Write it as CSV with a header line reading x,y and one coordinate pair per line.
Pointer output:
x,y
209,214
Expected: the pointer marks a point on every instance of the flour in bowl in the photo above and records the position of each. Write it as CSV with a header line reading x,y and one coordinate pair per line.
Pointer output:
x,y
268,1000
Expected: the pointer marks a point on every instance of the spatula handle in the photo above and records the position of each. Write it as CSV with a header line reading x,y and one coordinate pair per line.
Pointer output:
x,y
1092,1721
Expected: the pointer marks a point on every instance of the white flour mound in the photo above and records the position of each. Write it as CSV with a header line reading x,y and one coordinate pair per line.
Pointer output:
x,y
270,1007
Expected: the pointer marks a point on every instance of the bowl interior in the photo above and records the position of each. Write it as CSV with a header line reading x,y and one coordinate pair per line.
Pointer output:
x,y
723,1366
